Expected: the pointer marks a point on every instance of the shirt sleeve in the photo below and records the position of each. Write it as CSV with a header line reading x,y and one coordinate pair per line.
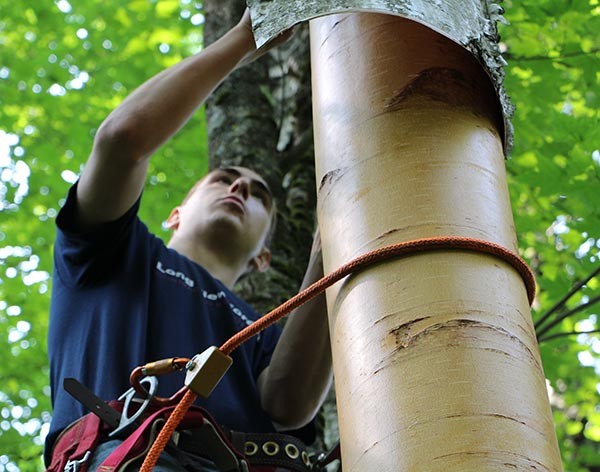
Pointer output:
x,y
85,257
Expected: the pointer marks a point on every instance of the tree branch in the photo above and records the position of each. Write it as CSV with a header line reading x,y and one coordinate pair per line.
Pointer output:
x,y
567,333
563,300
565,315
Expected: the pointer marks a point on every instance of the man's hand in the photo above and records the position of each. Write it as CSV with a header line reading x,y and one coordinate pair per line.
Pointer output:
x,y
295,384
314,269
245,24
316,250
133,132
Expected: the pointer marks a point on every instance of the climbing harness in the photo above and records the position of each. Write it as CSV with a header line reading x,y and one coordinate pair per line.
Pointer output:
x,y
198,440
165,424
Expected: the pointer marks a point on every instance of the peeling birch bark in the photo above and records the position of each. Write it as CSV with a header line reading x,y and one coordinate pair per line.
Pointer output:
x,y
435,357
470,23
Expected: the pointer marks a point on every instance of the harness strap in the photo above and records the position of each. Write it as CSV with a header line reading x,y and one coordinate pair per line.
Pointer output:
x,y
130,447
198,441
275,450
74,445
215,445
207,442
198,435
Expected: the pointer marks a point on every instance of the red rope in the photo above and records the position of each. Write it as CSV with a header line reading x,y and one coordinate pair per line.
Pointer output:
x,y
356,265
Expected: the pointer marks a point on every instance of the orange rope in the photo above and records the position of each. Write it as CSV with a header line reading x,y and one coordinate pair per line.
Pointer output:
x,y
377,255
167,431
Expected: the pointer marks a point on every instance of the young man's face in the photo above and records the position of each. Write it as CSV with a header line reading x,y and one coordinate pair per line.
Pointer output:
x,y
234,203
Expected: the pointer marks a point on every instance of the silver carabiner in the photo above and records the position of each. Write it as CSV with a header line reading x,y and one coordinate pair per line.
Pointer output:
x,y
132,396
73,465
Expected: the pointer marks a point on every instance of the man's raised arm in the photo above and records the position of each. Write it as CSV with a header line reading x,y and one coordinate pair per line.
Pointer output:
x,y
295,384
115,173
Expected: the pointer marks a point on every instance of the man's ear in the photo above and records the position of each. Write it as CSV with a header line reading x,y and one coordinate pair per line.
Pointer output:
x,y
173,219
262,261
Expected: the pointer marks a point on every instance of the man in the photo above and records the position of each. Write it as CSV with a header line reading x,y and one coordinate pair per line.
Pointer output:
x,y
122,298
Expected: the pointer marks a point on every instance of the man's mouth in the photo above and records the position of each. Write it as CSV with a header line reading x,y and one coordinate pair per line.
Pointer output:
x,y
235,202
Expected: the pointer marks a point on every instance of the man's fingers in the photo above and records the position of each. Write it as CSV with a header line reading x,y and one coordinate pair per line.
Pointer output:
x,y
246,20
281,38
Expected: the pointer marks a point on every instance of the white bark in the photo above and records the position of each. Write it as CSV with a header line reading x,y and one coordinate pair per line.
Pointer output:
x,y
470,23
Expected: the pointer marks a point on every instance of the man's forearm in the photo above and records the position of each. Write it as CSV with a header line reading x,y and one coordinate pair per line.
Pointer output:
x,y
145,120
300,373
157,109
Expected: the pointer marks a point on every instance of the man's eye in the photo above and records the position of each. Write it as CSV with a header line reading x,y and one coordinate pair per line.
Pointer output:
x,y
264,198
224,178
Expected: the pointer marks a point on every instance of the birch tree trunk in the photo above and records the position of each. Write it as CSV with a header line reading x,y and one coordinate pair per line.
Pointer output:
x,y
435,358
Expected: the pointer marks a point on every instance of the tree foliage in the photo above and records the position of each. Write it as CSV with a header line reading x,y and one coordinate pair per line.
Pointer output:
x,y
554,176
64,66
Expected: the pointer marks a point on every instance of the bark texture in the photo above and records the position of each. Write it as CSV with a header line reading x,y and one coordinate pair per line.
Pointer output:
x,y
470,23
435,356
261,117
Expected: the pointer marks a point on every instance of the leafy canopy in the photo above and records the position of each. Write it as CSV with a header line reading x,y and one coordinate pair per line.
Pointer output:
x,y
64,66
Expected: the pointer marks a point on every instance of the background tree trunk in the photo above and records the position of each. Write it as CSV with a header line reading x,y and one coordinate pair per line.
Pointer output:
x,y
261,117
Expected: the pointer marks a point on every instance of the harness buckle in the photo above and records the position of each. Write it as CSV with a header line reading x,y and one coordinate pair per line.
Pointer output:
x,y
325,458
73,465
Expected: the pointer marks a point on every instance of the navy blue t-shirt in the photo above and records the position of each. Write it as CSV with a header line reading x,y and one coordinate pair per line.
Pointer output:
x,y
121,298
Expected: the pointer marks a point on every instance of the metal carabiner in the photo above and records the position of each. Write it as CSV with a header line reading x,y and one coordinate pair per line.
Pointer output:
x,y
130,396
73,465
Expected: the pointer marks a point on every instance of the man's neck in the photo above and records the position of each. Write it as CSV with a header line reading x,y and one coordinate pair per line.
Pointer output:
x,y
220,264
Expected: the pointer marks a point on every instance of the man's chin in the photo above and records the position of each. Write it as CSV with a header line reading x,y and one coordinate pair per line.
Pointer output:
x,y
228,218
227,226
233,207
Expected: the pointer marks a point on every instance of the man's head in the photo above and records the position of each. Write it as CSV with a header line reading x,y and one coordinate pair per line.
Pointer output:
x,y
231,210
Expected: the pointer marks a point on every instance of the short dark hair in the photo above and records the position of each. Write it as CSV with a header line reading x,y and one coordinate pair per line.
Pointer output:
x,y
192,190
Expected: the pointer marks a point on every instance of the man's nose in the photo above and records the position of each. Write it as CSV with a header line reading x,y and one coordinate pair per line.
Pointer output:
x,y
240,186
